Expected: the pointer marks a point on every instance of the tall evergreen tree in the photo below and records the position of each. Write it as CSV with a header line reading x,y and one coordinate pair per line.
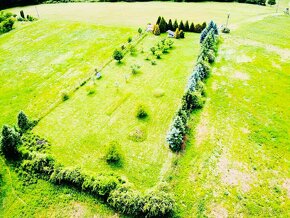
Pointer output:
x,y
10,140
175,25
203,26
181,25
23,122
163,25
158,20
191,28
186,26
169,25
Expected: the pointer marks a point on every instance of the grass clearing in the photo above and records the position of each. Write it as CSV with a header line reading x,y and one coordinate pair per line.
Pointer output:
x,y
110,114
62,56
242,139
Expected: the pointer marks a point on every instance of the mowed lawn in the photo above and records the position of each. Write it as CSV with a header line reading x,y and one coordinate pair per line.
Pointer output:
x,y
237,161
40,60
81,129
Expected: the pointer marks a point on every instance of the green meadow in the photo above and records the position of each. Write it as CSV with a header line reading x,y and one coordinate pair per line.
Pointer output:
x,y
236,161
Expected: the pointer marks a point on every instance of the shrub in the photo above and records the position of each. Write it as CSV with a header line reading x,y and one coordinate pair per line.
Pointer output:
x,y
132,50
22,14
126,201
156,30
198,28
67,176
211,56
135,69
192,100
141,112
140,30
203,35
153,50
159,93
200,87
153,62
271,2
181,34
64,96
183,116
6,25
169,42
91,89
138,135
9,142
158,54
226,30
23,122
118,55
177,34
158,204
113,154
129,39
176,133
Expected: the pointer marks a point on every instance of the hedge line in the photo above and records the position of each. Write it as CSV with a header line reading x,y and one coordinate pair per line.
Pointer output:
x,y
195,94
30,153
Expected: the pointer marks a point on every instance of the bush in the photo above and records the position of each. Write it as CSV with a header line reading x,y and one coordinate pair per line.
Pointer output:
x,y
226,30
138,135
9,142
158,54
67,176
6,25
158,204
126,201
211,56
113,155
140,30
169,42
129,39
22,14
198,28
23,122
175,135
192,100
177,34
271,2
65,96
153,62
156,30
153,50
181,34
118,55
141,112
135,69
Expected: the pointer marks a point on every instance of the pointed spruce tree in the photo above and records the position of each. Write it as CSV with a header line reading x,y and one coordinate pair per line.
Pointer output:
x,y
162,25
181,25
186,26
9,141
158,20
23,122
169,25
175,25
191,28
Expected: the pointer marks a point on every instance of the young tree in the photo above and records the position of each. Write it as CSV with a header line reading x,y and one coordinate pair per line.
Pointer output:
x,y
186,26
191,28
162,25
203,35
198,28
23,123
156,30
176,34
175,25
203,26
10,140
118,55
140,30
181,34
181,25
169,25
22,14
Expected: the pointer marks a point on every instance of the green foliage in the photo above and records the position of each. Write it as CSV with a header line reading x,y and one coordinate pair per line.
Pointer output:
x,y
22,14
181,34
64,96
158,54
191,28
9,142
177,34
181,25
6,22
186,26
175,25
118,55
192,100
226,30
153,50
162,25
140,30
138,135
23,122
135,69
113,154
158,20
170,25
129,39
271,2
176,134
67,176
141,112
198,28
156,30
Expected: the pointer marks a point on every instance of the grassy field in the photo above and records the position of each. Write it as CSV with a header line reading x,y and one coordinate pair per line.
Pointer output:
x,y
110,113
237,159
62,56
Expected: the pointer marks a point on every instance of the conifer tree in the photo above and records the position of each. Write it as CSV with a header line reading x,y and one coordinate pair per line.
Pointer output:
x,y
181,25
175,25
176,34
169,25
203,26
156,30
10,140
191,28
162,25
186,26
158,20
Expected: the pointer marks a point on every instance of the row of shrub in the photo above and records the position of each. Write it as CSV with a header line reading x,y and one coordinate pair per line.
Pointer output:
x,y
31,152
194,97
185,27
7,21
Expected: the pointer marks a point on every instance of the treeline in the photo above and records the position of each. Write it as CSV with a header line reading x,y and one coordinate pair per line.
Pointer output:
x,y
12,3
